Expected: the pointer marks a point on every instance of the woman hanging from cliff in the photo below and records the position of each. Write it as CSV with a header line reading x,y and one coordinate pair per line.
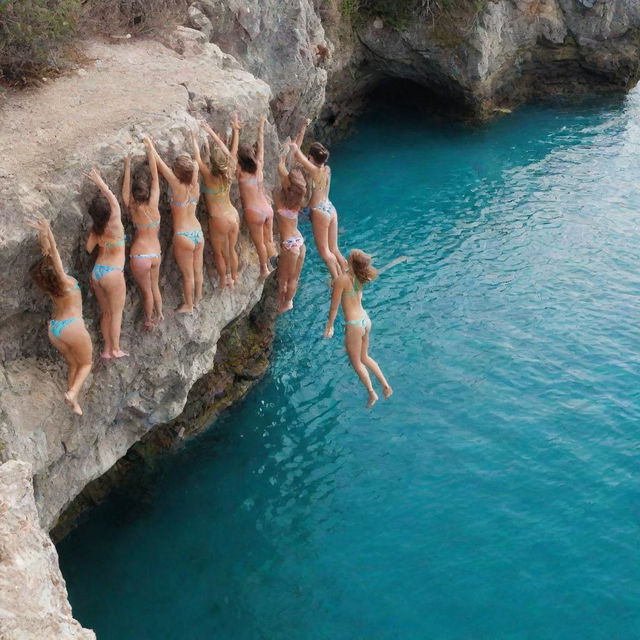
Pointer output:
x,y
66,328
324,217
107,276
224,221
347,289
141,194
288,200
188,241
257,209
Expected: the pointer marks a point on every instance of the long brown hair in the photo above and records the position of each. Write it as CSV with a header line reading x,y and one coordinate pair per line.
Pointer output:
x,y
319,153
100,212
141,184
46,278
360,263
293,195
184,168
247,158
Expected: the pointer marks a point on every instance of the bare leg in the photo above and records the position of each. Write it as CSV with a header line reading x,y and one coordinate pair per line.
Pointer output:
x,y
333,243
256,232
183,249
198,271
321,236
105,318
293,278
219,244
353,343
233,254
286,266
141,269
371,364
114,286
268,236
155,288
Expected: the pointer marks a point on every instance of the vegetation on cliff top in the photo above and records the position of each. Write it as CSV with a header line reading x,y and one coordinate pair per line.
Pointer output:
x,y
35,35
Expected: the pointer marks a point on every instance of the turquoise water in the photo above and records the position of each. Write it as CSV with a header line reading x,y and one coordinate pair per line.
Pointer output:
x,y
496,495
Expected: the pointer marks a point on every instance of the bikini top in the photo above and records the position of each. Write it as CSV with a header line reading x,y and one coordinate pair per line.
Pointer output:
x,y
288,213
151,225
327,180
188,201
217,192
75,287
356,289
111,244
251,180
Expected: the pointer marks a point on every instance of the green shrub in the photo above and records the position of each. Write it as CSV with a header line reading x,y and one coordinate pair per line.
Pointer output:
x,y
33,34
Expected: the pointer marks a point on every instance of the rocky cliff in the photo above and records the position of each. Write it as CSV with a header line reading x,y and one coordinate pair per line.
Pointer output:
x,y
287,60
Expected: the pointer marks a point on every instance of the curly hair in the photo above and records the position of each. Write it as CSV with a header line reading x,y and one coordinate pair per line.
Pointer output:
x,y
247,158
220,164
293,196
44,275
141,184
319,153
360,265
100,212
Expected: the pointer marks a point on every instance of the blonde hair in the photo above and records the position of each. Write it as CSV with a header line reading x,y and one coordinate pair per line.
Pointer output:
x,y
360,263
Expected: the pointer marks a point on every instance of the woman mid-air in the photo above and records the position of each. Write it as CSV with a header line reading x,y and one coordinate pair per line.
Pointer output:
x,y
66,329
347,288
324,218
288,200
224,221
141,196
188,241
107,276
257,208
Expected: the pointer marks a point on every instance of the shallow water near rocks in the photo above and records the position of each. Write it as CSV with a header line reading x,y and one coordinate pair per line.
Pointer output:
x,y
496,495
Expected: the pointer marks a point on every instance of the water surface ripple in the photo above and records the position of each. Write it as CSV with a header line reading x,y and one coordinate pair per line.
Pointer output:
x,y
496,495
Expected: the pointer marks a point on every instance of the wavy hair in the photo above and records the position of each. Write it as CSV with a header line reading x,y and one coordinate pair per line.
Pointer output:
x,y
293,195
44,275
360,265
100,212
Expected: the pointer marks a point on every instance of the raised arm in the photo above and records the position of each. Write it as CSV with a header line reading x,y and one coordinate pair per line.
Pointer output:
x,y
163,167
236,125
260,148
282,170
196,154
216,138
96,178
302,159
126,181
48,243
336,295
154,194
303,129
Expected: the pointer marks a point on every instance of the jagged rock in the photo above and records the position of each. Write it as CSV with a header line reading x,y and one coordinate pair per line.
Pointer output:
x,y
199,21
187,42
33,594
96,119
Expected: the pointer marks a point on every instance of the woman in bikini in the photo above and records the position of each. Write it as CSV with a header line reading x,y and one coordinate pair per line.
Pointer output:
x,y
107,276
224,221
257,208
141,196
66,329
188,241
288,200
324,218
347,289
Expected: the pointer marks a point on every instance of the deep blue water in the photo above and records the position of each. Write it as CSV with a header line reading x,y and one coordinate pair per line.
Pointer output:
x,y
496,495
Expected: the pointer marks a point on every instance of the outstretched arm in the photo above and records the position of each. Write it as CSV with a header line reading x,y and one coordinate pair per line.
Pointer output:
x,y
216,138
163,167
302,159
154,194
303,129
96,178
282,170
260,149
48,243
126,181
196,154
336,295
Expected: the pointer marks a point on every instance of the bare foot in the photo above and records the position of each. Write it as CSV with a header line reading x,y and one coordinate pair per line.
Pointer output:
x,y
70,399
387,391
184,308
264,271
286,307
159,318
148,325
105,355
373,398
119,354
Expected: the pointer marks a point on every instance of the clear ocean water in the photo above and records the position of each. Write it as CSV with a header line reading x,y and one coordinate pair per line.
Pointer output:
x,y
496,495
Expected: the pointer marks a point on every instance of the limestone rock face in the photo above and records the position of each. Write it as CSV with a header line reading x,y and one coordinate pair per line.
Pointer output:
x,y
33,594
277,42
54,135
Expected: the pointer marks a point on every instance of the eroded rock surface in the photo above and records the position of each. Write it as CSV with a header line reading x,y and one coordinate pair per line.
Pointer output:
x,y
33,594
55,134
